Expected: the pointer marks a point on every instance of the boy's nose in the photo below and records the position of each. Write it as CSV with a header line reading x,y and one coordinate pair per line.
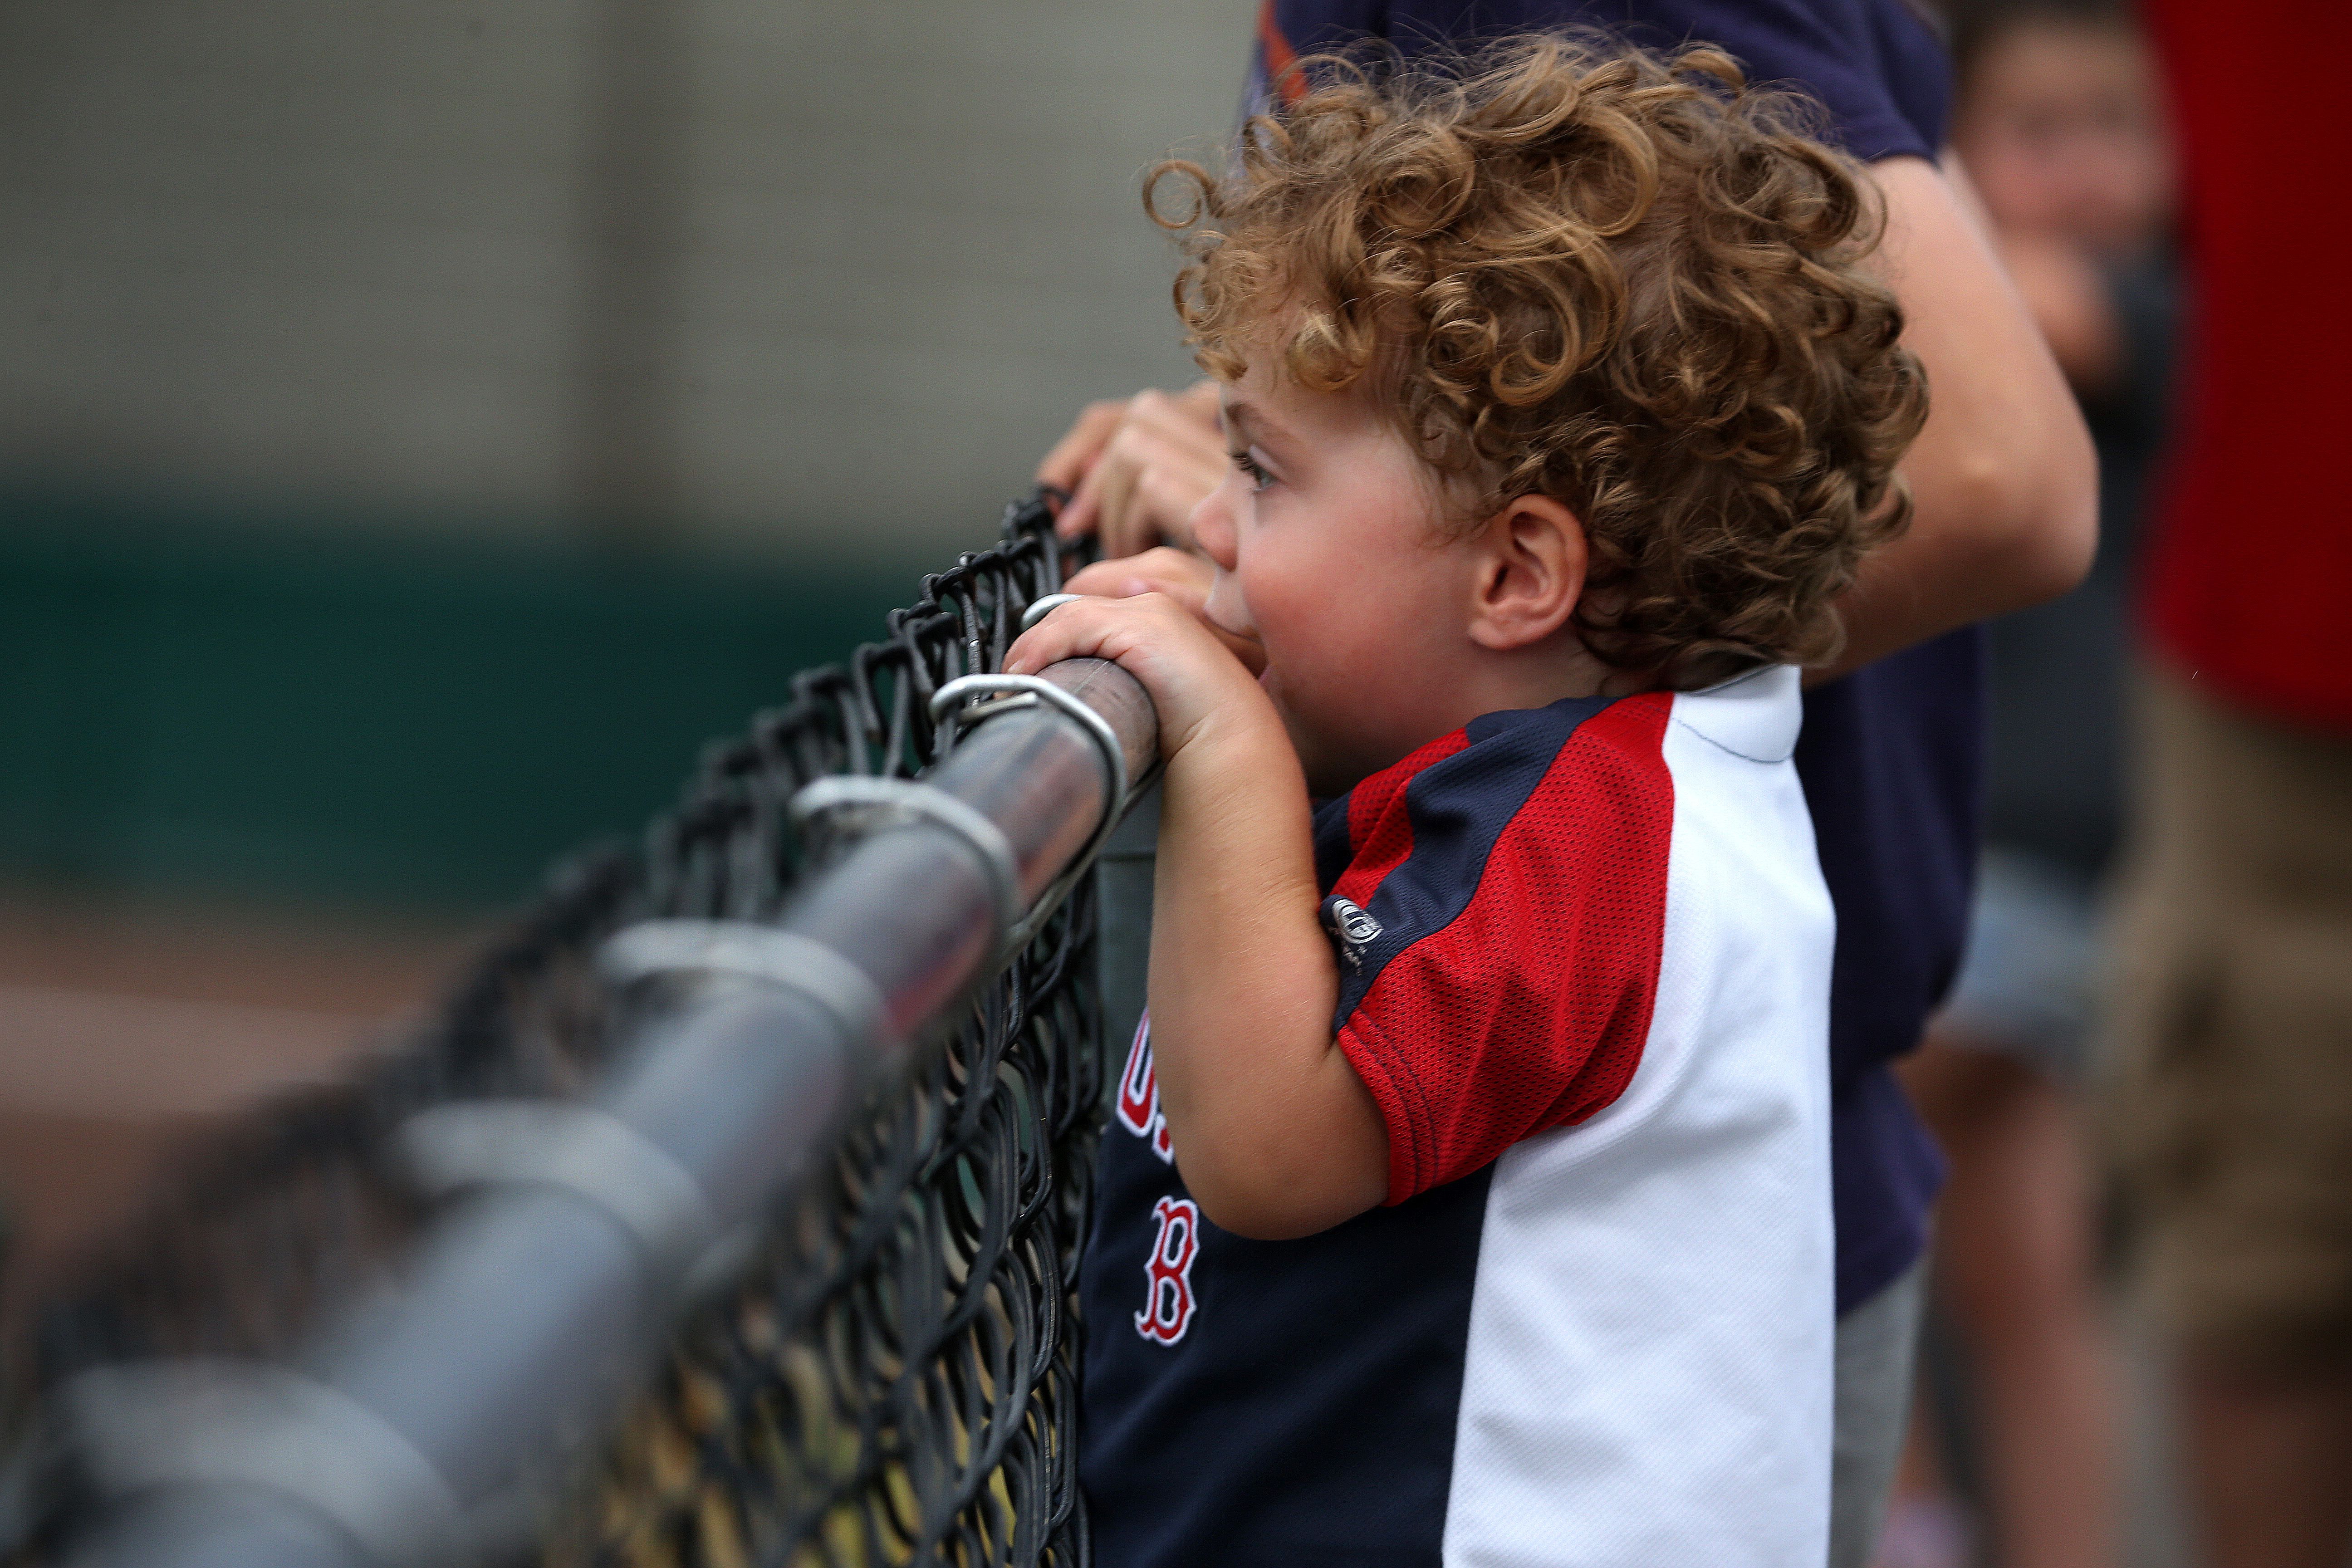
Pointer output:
x,y
1213,524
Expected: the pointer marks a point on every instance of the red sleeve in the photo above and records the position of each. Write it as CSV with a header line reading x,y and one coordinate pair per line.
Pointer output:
x,y
1516,893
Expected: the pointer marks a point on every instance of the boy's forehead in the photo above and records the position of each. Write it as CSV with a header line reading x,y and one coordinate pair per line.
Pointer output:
x,y
1254,414
1268,402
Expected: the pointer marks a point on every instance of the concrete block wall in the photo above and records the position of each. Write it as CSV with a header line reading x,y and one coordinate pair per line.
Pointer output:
x,y
754,273
918,241
309,251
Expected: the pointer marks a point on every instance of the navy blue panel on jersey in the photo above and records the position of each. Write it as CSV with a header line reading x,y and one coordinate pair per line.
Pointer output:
x,y
1313,1394
1892,756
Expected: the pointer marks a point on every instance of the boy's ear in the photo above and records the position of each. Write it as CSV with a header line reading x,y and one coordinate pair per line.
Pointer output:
x,y
1531,562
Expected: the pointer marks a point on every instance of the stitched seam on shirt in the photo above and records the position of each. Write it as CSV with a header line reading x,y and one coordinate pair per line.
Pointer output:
x,y
1732,751
1410,1093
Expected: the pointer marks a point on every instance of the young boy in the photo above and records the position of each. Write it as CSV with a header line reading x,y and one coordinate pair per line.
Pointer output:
x,y
1469,1195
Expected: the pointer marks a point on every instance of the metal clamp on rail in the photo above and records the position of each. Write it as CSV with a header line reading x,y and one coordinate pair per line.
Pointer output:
x,y
747,951
147,1426
859,803
984,696
582,1151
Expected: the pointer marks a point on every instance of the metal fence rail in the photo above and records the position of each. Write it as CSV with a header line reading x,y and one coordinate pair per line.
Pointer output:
x,y
728,1215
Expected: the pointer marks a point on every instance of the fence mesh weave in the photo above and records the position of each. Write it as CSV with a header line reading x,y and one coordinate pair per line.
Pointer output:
x,y
892,1381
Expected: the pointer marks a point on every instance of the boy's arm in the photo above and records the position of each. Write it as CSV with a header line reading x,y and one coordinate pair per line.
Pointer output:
x,y
1274,1131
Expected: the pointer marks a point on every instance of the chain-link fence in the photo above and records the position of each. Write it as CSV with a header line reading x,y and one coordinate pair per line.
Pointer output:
x,y
882,1371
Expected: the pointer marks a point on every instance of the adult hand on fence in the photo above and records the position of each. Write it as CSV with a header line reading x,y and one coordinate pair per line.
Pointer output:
x,y
1182,576
1136,467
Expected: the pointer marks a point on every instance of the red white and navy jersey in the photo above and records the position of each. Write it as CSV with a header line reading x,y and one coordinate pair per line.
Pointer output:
x,y
1584,969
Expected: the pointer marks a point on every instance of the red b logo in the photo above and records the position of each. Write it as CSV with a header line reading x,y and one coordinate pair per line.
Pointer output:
x,y
1167,1311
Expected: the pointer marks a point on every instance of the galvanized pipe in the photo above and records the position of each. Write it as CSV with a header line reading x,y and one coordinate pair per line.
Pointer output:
x,y
411,1431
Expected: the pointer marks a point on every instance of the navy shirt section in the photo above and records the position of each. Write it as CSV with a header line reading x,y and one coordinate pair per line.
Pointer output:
x,y
1893,762
1313,1394
1876,65
1893,756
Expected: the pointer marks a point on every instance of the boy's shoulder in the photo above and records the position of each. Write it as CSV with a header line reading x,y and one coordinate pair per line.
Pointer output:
x,y
1582,775
1499,903
1518,779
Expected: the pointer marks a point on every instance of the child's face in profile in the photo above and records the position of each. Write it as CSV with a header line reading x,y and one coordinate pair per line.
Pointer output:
x,y
1328,541
2061,129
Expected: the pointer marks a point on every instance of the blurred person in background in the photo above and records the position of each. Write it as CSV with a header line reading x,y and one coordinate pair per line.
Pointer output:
x,y
2057,120
2232,1104
2004,486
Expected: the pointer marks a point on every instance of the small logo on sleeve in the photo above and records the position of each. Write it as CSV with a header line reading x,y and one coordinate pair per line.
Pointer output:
x,y
1351,928
1168,1310
1138,1095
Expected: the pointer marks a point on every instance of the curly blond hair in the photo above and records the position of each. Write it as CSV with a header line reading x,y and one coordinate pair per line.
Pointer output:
x,y
1577,269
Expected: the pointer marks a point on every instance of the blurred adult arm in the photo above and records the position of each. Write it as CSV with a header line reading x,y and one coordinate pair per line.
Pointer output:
x,y
2004,485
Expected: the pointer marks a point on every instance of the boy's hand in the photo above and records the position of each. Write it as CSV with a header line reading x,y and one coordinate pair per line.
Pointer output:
x,y
1179,574
1183,577
1202,691
1275,1135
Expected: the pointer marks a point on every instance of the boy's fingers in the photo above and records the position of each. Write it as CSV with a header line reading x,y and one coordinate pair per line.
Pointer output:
x,y
1108,579
1078,627
1066,631
1182,576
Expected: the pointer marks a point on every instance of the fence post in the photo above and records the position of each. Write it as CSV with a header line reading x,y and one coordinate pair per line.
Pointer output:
x,y
1123,926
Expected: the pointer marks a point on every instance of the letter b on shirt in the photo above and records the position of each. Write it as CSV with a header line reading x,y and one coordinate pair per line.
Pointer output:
x,y
1168,1310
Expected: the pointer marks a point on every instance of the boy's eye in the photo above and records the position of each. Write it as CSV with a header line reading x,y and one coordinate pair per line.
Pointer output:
x,y
1259,478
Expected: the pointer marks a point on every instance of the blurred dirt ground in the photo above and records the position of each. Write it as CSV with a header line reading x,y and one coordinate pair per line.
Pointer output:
x,y
128,1028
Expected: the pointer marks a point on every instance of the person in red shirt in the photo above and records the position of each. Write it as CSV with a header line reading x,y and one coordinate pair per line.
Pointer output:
x,y
2058,122
2233,1098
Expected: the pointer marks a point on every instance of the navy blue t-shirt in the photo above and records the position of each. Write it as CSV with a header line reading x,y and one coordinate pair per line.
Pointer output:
x,y
1892,755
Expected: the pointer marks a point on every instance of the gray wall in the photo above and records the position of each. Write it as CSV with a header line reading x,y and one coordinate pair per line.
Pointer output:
x,y
729,272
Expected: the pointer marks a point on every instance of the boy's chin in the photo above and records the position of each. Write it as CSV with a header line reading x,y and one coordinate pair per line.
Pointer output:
x,y
1330,783
1335,760
1331,770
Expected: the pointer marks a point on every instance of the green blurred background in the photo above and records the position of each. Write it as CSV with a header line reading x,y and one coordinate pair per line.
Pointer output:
x,y
193,703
